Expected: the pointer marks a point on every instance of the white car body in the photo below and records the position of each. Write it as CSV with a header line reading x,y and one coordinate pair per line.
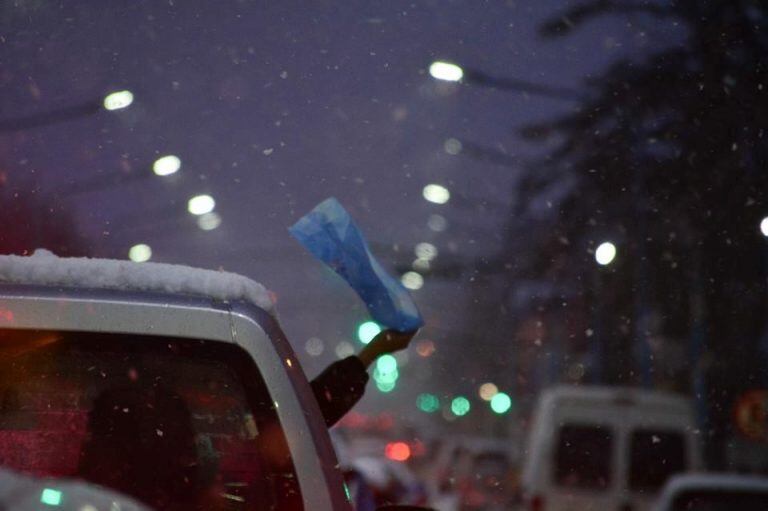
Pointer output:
x,y
727,486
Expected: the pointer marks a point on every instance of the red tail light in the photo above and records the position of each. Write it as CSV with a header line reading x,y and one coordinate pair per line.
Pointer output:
x,y
537,503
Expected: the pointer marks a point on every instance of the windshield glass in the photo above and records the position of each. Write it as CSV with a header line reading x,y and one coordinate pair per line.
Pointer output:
x,y
175,423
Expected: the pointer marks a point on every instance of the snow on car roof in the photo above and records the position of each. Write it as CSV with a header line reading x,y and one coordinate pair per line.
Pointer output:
x,y
46,269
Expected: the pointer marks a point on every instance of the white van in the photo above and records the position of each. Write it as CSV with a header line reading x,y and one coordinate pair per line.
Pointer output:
x,y
606,448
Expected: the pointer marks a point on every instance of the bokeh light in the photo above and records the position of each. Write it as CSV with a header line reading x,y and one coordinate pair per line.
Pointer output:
x,y
460,406
367,331
386,364
397,451
314,346
344,349
140,253
501,403
118,100
446,71
166,165
605,253
425,348
201,204
452,146
487,391
426,251
428,403
386,386
437,194
437,223
209,221
412,280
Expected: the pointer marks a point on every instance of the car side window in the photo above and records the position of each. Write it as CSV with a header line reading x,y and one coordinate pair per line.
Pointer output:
x,y
176,423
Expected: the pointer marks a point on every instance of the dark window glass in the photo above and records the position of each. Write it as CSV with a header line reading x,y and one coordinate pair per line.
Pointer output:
x,y
175,423
583,456
654,456
721,501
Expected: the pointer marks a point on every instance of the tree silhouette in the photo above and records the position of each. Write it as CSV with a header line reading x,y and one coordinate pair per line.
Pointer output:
x,y
668,156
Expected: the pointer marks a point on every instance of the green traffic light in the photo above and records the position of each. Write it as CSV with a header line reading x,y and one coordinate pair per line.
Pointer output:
x,y
386,386
51,497
428,403
501,403
386,364
367,331
380,377
460,406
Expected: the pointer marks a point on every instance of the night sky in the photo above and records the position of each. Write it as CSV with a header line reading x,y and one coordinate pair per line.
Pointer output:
x,y
274,106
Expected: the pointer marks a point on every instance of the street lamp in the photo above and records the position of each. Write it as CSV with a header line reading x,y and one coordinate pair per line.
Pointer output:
x,y
446,71
118,100
201,204
436,194
605,253
140,253
166,165
764,226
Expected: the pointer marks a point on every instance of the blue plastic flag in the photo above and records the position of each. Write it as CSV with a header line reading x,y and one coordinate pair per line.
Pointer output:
x,y
331,235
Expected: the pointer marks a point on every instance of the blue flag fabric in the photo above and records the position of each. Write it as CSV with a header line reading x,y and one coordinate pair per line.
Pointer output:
x,y
331,235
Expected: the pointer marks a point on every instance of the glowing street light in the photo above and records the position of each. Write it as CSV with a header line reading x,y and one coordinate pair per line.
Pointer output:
x,y
166,165
446,71
426,251
412,280
436,193
437,223
118,100
209,221
140,253
201,204
764,226
605,253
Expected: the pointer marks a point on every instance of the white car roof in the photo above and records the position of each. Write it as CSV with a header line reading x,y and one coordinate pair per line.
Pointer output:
x,y
697,482
716,481
46,269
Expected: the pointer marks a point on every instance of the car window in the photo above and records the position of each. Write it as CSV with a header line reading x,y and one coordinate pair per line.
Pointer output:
x,y
583,456
721,500
176,423
654,456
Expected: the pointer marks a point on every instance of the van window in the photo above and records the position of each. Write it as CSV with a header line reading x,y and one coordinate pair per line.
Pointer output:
x,y
654,456
176,423
583,456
